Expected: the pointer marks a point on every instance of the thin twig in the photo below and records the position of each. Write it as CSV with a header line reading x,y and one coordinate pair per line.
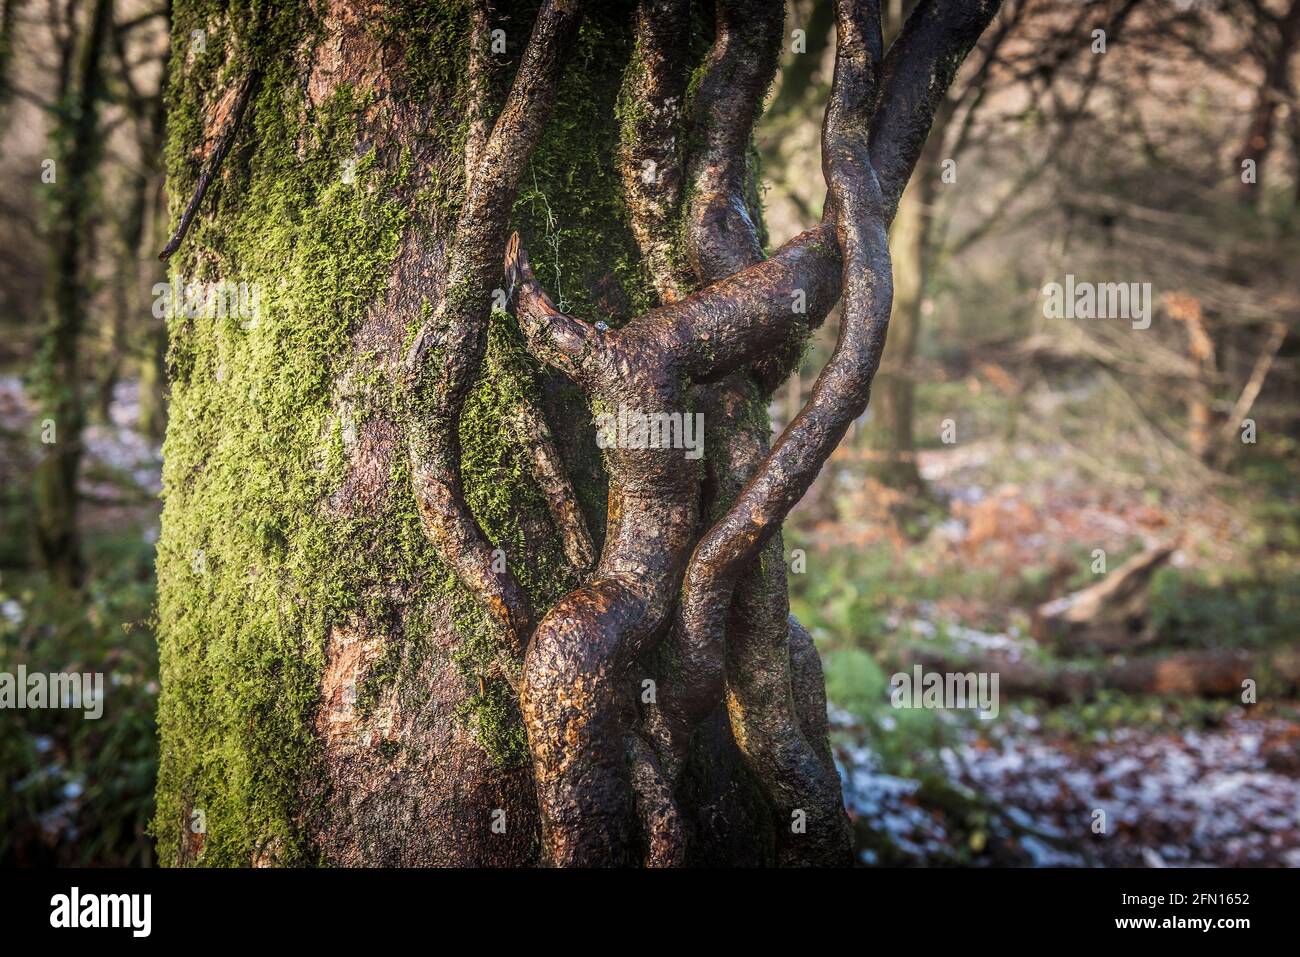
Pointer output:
x,y
224,141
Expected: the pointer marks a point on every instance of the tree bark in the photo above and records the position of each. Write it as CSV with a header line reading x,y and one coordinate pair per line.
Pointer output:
x,y
409,612
330,693
1274,89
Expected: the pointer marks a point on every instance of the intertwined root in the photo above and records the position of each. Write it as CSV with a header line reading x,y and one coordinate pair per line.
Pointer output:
x,y
711,597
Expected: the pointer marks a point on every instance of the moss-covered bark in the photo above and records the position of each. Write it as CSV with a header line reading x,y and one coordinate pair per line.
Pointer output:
x,y
330,692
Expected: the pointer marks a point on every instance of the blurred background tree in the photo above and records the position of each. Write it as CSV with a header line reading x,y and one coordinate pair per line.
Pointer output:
x,y
81,404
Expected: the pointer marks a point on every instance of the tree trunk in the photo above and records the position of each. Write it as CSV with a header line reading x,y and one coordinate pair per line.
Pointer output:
x,y
1206,673
383,640
1274,90
330,692
58,374
890,432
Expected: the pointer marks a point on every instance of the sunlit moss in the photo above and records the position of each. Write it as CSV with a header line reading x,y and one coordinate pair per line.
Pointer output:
x,y
251,573
254,567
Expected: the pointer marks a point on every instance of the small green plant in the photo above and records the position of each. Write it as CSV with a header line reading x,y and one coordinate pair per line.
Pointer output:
x,y
74,790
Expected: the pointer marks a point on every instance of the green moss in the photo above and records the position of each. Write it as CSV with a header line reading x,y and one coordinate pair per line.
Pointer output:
x,y
436,37
493,714
570,207
498,479
255,566
251,574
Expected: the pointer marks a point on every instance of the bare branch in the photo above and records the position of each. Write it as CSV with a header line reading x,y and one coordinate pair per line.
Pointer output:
x,y
129,24
1258,373
654,88
534,434
720,235
745,316
561,341
918,70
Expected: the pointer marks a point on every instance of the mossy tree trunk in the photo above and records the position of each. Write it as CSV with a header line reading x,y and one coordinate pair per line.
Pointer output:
x,y
331,692
382,637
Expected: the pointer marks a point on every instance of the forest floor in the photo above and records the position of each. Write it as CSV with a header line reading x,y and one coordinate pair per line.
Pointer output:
x,y
1114,780
1225,795
77,792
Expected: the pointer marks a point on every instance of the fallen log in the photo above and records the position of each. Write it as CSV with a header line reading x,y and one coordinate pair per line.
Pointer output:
x,y
1202,673
1112,615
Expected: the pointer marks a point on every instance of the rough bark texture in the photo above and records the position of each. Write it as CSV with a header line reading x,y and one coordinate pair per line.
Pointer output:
x,y
409,610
